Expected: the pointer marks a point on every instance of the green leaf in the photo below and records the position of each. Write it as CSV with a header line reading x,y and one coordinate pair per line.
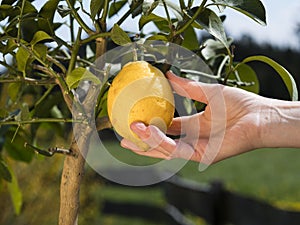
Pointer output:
x,y
28,28
14,90
251,8
3,114
40,36
284,74
190,40
5,11
24,114
161,37
15,194
151,18
41,51
4,171
95,7
212,49
8,2
103,106
22,58
245,74
162,25
10,46
48,10
15,147
28,7
115,7
119,36
209,20
80,74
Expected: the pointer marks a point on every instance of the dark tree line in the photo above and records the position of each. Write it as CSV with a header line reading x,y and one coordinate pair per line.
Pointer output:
x,y
271,84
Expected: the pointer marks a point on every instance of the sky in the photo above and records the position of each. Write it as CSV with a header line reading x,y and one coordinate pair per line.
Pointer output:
x,y
282,18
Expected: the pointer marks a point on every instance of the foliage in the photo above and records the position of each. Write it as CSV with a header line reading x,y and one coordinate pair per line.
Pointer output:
x,y
42,65
288,57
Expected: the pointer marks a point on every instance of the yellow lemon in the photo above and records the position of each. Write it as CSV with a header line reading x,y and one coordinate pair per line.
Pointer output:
x,y
140,92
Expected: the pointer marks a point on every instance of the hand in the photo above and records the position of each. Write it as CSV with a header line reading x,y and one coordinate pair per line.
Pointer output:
x,y
231,124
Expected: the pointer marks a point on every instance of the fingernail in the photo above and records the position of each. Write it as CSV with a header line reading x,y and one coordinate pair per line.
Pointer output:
x,y
169,73
138,126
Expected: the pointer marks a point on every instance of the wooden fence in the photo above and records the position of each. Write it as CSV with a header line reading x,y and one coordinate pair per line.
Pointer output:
x,y
213,203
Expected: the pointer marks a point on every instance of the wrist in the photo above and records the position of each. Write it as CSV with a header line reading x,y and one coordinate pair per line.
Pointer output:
x,y
279,124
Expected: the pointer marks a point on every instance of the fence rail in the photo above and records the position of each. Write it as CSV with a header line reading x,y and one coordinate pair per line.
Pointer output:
x,y
213,203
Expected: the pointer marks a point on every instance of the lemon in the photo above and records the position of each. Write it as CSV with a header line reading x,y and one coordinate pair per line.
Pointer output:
x,y
140,92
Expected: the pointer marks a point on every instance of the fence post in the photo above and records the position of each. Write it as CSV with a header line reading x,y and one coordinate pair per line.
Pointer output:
x,y
219,205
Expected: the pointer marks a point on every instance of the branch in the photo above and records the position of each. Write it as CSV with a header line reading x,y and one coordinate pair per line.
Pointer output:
x,y
57,63
104,15
27,80
191,20
60,80
20,21
39,120
50,151
130,10
75,51
79,19
95,36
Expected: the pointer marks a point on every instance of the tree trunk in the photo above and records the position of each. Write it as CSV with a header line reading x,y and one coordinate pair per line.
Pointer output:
x,y
72,174
73,168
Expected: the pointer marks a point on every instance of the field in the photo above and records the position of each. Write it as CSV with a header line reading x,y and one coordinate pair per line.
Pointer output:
x,y
271,175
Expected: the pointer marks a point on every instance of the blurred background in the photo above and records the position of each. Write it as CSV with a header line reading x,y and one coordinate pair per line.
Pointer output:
x,y
269,175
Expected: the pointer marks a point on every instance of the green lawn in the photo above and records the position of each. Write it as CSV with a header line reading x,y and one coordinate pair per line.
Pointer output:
x,y
267,174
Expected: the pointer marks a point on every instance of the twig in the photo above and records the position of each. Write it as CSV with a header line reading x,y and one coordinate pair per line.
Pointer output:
x,y
40,120
20,21
79,19
75,51
57,63
104,15
28,80
191,20
95,36
50,151
135,5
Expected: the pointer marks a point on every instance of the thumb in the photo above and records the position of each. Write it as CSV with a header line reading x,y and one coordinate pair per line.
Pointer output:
x,y
191,89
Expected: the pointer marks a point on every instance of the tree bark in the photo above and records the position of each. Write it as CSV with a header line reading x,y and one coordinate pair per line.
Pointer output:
x,y
73,168
72,174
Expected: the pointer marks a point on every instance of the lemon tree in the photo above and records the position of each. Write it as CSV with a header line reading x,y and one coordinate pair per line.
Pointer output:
x,y
48,47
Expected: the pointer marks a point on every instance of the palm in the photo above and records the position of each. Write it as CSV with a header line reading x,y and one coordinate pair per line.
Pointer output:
x,y
225,128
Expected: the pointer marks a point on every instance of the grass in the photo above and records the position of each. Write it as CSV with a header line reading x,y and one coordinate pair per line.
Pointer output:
x,y
271,175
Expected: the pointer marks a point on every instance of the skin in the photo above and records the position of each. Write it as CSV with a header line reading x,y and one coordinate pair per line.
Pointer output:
x,y
234,121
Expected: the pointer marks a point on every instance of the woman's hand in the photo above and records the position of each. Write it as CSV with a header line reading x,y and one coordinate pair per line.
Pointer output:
x,y
234,121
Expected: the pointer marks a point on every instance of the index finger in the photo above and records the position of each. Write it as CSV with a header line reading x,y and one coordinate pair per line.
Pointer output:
x,y
192,89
